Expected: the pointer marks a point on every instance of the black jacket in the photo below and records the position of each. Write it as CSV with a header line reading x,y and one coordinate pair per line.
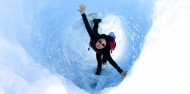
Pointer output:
x,y
94,38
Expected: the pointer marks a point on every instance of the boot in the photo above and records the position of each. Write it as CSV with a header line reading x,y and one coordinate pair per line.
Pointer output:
x,y
98,71
97,20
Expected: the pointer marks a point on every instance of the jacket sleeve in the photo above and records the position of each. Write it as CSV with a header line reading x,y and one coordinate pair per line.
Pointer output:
x,y
87,26
114,64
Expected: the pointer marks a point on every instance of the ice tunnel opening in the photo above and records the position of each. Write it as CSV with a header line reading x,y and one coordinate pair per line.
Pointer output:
x,y
80,67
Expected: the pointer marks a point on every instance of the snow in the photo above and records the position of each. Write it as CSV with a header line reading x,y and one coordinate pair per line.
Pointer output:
x,y
163,66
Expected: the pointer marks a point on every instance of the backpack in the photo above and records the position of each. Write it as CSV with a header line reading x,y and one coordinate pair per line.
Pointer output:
x,y
112,41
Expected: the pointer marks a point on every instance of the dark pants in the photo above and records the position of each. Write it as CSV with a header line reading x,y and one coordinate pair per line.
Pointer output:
x,y
93,35
99,59
98,55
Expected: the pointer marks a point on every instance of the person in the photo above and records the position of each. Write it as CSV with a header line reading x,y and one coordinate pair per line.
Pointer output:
x,y
100,43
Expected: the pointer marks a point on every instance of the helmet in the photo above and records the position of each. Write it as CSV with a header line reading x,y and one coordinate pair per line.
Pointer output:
x,y
112,35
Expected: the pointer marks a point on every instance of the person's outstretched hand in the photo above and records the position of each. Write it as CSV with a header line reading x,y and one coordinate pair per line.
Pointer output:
x,y
82,9
124,74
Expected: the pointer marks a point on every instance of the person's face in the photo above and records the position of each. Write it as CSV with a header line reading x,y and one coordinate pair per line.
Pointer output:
x,y
101,43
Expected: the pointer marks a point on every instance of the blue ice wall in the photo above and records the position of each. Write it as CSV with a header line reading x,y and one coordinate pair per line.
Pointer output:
x,y
57,38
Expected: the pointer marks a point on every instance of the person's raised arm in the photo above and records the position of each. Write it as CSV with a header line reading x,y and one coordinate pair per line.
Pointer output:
x,y
82,9
86,23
